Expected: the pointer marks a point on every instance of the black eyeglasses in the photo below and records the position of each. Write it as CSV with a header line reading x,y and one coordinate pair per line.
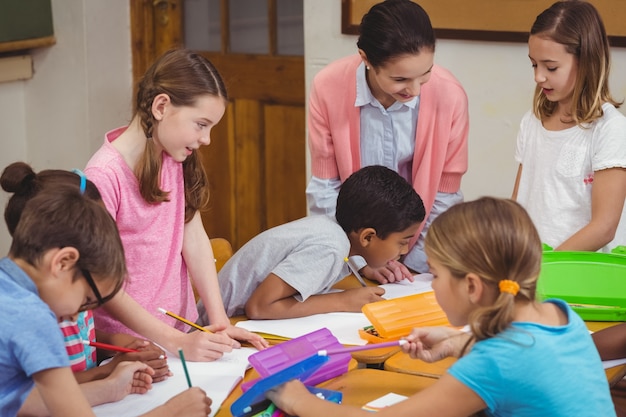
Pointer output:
x,y
99,299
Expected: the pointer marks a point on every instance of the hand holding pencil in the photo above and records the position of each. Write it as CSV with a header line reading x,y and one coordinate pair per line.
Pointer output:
x,y
217,340
137,350
205,345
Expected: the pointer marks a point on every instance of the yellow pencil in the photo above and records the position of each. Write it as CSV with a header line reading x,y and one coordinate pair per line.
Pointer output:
x,y
355,271
184,320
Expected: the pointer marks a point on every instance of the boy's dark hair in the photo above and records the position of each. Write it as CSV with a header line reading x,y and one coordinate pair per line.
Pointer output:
x,y
393,28
378,197
62,217
20,179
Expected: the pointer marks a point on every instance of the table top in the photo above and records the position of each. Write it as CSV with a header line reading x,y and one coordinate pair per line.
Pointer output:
x,y
363,385
250,375
358,386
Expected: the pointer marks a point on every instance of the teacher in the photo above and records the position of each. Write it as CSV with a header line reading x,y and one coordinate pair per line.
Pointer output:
x,y
390,105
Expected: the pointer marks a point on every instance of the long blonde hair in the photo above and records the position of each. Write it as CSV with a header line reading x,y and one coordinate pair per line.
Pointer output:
x,y
184,76
496,240
577,25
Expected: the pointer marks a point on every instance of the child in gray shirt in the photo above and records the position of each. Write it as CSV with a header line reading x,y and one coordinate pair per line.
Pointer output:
x,y
288,271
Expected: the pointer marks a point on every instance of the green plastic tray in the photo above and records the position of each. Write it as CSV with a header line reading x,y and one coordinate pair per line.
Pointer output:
x,y
593,283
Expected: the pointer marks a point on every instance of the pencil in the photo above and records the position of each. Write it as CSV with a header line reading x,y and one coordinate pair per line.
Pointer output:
x,y
182,359
106,346
355,271
364,347
184,320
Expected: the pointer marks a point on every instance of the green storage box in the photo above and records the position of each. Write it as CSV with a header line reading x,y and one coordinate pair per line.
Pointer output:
x,y
594,284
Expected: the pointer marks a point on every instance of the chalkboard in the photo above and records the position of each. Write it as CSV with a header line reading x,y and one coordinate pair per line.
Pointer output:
x,y
25,19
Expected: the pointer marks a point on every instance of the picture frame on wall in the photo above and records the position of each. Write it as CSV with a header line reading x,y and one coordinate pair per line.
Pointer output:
x,y
489,20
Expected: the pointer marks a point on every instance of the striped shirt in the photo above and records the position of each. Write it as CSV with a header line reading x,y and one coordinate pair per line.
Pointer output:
x,y
82,357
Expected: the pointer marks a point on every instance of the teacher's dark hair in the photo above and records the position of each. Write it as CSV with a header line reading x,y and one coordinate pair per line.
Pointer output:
x,y
394,28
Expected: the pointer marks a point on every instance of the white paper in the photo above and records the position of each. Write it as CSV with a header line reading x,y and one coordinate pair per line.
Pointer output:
x,y
344,326
216,378
421,283
614,362
384,401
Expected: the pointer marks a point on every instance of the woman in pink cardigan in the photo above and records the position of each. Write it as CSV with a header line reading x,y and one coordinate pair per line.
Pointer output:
x,y
390,105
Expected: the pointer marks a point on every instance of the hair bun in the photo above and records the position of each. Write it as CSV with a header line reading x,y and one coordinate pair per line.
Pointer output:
x,y
18,178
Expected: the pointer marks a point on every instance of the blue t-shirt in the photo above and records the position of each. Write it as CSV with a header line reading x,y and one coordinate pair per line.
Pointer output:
x,y
30,340
536,370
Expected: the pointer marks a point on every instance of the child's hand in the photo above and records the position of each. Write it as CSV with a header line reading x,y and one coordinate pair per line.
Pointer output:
x,y
150,354
286,396
201,346
237,333
192,402
130,378
355,298
431,344
394,271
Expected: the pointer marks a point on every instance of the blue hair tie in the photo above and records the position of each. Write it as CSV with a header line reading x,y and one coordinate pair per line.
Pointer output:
x,y
83,179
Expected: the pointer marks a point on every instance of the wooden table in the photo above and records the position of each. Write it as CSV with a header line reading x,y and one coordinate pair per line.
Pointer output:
x,y
373,356
359,386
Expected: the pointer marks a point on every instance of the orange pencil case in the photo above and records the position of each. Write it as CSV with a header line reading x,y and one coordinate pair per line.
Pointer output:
x,y
393,319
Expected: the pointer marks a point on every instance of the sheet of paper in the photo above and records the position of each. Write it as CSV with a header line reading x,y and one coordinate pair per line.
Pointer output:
x,y
614,362
384,401
216,378
344,326
421,283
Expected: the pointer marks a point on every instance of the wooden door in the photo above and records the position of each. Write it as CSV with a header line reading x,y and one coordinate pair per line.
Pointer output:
x,y
256,161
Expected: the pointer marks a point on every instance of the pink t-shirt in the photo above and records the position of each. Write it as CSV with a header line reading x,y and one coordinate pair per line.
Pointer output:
x,y
152,235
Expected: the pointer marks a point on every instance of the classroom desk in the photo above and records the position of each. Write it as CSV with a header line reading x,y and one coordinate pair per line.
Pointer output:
x,y
402,362
359,386
373,356
251,374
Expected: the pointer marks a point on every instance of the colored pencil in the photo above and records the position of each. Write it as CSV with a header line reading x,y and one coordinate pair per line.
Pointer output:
x,y
359,348
355,271
182,360
106,346
182,319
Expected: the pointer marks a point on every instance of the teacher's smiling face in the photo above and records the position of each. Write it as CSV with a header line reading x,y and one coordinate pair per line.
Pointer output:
x,y
401,78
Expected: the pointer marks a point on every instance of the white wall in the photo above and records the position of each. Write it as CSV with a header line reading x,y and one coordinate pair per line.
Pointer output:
x,y
81,88
497,77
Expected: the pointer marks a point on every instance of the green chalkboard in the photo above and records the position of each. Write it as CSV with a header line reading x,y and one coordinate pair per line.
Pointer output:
x,y
25,19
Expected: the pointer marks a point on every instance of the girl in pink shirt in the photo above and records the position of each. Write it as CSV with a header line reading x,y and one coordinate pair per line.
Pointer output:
x,y
153,184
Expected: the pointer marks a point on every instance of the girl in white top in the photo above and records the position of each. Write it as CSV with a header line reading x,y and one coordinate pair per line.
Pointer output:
x,y
572,145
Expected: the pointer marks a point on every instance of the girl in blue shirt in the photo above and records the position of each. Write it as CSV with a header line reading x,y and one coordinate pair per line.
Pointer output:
x,y
521,357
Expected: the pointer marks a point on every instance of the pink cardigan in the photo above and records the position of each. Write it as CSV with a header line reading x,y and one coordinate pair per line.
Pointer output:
x,y
440,158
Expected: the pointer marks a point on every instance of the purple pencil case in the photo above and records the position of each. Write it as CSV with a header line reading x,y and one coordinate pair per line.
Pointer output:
x,y
278,357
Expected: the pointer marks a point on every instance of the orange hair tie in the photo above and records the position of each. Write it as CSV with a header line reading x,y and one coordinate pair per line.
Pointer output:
x,y
506,285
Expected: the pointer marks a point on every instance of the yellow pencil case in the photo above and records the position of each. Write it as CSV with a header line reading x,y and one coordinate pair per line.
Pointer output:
x,y
393,319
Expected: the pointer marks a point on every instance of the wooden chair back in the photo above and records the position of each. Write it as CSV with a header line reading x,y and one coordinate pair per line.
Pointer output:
x,y
222,251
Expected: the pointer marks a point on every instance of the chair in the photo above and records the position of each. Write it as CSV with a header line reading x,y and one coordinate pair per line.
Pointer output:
x,y
222,251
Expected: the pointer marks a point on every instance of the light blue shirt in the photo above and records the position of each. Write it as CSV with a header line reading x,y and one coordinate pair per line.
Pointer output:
x,y
532,370
387,135
30,340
